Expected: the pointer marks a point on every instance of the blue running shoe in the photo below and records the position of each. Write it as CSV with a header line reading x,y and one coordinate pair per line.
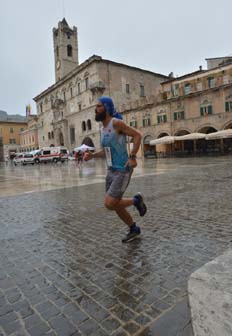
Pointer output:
x,y
133,234
139,204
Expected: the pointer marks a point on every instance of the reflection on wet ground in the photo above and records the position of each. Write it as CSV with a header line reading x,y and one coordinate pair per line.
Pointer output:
x,y
22,179
64,271
25,179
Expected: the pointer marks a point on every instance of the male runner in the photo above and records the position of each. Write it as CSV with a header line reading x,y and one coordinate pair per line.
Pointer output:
x,y
120,165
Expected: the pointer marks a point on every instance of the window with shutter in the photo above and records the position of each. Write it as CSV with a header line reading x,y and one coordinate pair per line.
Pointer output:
x,y
205,110
210,109
227,106
133,123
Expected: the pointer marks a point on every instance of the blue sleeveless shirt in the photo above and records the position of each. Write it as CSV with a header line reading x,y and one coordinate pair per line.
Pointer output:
x,y
114,145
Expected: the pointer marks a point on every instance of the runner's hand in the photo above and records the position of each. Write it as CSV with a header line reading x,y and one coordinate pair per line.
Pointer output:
x,y
87,156
131,163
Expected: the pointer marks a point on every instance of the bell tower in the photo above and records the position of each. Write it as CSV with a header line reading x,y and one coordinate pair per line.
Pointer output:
x,y
65,49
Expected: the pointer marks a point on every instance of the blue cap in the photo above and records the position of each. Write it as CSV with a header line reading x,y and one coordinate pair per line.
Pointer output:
x,y
108,104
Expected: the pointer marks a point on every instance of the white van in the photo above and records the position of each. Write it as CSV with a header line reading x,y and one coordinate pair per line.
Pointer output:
x,y
23,159
52,154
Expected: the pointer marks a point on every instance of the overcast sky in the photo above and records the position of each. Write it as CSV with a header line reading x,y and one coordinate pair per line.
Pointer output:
x,y
157,35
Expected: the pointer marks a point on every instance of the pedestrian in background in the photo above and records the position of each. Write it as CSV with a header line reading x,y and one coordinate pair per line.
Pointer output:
x,y
80,159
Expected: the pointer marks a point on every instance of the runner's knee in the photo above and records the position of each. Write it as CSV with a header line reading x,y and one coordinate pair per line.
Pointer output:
x,y
110,205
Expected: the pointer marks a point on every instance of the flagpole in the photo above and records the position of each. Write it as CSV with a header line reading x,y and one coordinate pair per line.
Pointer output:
x,y
63,9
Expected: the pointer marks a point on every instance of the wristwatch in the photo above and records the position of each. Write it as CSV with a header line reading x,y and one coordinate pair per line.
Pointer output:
x,y
133,156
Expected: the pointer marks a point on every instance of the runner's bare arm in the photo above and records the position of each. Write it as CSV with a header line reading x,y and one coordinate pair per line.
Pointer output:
x,y
89,155
99,154
122,127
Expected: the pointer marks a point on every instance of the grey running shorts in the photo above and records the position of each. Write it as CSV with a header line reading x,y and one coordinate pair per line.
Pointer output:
x,y
117,182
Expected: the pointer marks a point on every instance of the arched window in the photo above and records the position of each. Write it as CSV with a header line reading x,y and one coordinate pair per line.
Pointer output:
x,y
49,135
89,126
83,126
52,100
69,50
57,51
206,108
86,83
52,134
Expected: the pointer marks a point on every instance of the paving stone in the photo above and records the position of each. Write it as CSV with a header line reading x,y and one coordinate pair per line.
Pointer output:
x,y
111,324
100,332
75,294
61,300
12,326
76,333
26,311
39,329
6,283
13,295
99,314
131,327
62,326
2,301
20,305
123,313
120,332
32,321
175,324
51,312
10,317
36,299
52,333
161,305
89,327
6,309
142,319
106,300
20,332
153,312
44,306
75,314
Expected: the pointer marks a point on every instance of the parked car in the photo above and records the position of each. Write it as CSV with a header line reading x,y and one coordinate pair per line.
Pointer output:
x,y
150,154
23,159
51,154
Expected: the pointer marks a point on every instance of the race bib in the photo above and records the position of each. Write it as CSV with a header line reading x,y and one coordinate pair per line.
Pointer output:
x,y
108,156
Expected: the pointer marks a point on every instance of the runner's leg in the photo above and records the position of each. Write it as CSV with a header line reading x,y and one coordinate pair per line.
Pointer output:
x,y
115,204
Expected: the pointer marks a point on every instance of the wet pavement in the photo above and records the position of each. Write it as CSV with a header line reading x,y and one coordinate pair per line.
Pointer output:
x,y
16,180
64,270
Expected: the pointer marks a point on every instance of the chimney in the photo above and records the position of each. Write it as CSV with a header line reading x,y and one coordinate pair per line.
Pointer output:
x,y
200,67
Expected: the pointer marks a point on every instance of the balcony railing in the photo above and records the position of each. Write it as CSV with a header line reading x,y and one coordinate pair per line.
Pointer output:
x,y
97,86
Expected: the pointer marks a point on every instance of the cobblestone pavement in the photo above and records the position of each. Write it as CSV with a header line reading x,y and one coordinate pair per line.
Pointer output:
x,y
64,270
